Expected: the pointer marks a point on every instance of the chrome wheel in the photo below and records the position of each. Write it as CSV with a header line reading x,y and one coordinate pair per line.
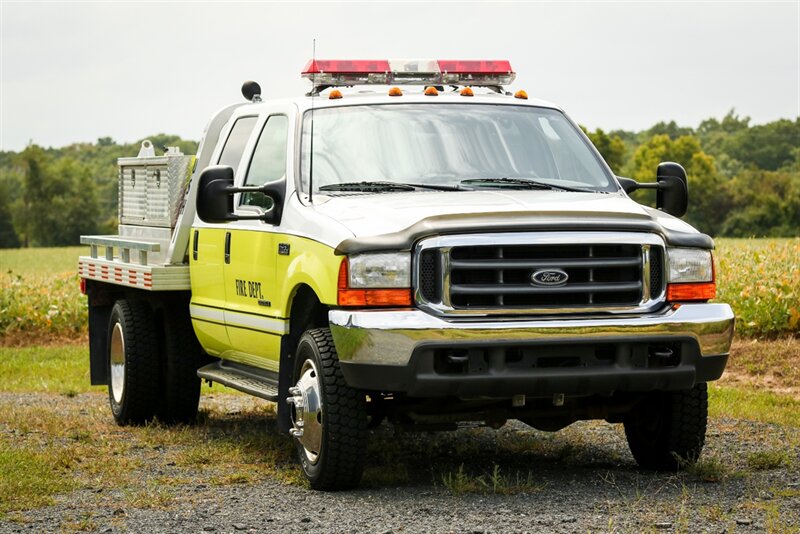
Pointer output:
x,y
117,360
306,410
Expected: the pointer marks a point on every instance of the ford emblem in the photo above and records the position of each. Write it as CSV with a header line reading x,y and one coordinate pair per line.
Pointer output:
x,y
549,277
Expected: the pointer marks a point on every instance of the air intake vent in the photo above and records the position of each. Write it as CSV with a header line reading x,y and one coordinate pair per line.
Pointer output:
x,y
430,276
656,272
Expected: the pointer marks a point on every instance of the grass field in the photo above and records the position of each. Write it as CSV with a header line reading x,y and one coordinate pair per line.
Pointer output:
x,y
40,299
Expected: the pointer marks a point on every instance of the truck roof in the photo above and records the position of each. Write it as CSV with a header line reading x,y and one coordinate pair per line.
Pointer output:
x,y
361,95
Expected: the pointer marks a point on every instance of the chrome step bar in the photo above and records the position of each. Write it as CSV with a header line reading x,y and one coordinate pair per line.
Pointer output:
x,y
244,380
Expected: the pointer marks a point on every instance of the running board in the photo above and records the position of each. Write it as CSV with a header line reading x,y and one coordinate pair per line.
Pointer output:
x,y
240,379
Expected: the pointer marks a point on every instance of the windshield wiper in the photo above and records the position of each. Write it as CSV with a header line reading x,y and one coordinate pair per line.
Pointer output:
x,y
383,186
523,183
374,187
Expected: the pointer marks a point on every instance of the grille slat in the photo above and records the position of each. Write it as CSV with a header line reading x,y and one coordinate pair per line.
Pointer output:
x,y
524,290
588,263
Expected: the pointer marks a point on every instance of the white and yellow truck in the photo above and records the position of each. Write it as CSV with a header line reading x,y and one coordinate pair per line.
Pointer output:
x,y
408,241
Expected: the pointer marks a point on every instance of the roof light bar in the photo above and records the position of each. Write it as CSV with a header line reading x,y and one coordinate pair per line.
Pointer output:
x,y
334,72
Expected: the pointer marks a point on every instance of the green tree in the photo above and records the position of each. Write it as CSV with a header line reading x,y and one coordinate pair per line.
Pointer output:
x,y
67,205
31,162
765,204
57,201
8,236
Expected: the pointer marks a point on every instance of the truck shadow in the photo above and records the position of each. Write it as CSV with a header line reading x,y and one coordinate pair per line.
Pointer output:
x,y
513,459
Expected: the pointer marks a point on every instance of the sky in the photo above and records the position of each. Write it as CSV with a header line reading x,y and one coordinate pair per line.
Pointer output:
x,y
77,71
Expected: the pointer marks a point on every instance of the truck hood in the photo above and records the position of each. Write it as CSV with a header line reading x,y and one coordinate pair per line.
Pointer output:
x,y
377,218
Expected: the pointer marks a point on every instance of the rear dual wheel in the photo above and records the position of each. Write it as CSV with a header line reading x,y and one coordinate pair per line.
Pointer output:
x,y
133,381
148,375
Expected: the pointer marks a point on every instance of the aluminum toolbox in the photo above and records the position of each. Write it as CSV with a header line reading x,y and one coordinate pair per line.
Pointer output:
x,y
151,188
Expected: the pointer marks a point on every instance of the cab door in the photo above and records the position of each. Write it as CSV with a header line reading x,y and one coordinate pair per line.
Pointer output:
x,y
207,257
253,325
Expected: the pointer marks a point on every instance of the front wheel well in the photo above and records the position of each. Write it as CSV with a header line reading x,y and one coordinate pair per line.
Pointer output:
x,y
305,312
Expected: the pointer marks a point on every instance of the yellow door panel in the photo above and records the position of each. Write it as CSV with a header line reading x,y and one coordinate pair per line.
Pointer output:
x,y
254,328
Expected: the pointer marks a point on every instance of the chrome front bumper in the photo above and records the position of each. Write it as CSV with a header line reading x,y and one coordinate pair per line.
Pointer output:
x,y
390,337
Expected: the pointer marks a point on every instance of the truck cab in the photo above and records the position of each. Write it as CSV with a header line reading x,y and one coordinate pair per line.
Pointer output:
x,y
408,241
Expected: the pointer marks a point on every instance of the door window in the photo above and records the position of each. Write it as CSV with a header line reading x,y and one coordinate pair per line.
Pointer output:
x,y
237,139
269,160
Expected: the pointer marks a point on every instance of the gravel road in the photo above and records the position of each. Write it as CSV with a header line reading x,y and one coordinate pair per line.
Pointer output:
x,y
580,479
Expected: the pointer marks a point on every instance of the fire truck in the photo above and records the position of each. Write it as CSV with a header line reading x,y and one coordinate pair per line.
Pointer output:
x,y
410,242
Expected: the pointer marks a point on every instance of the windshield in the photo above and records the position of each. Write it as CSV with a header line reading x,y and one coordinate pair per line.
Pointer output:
x,y
482,145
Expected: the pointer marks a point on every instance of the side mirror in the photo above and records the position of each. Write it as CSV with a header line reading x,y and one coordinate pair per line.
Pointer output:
x,y
672,189
215,197
672,195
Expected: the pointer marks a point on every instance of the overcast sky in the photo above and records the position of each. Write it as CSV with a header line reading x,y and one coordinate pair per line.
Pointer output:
x,y
76,71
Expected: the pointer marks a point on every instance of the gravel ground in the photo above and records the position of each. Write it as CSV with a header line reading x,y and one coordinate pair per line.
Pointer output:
x,y
580,479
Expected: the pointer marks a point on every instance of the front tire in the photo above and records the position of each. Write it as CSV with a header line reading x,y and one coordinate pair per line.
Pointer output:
x,y
667,429
329,418
133,385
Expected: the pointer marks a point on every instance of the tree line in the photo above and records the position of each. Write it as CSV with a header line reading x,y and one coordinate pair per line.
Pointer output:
x,y
744,180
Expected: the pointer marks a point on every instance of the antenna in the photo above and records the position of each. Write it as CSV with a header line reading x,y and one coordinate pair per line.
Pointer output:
x,y
311,143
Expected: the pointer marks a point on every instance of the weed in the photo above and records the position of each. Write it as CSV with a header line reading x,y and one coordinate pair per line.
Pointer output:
x,y
786,493
240,477
83,523
768,459
460,482
710,469
150,497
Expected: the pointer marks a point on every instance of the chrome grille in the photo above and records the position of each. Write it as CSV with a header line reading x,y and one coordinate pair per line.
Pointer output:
x,y
500,276
494,273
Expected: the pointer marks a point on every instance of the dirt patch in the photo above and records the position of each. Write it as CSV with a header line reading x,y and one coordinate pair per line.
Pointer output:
x,y
765,364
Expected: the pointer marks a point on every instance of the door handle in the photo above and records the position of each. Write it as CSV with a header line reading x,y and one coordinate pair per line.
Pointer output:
x,y
194,245
227,247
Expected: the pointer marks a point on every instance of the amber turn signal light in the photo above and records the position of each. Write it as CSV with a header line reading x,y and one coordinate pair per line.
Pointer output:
x,y
695,291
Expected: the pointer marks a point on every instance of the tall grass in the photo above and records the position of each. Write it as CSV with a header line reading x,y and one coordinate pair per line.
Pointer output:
x,y
760,279
40,299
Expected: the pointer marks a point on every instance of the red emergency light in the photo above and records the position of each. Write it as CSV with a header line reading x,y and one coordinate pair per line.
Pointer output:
x,y
336,72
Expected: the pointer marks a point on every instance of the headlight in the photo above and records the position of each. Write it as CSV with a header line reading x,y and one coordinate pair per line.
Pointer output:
x,y
690,265
391,269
